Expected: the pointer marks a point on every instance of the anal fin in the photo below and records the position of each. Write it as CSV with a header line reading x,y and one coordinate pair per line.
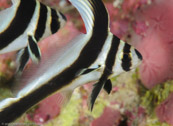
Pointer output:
x,y
33,49
108,86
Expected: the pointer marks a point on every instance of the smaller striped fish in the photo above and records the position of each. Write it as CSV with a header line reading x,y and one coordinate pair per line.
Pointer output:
x,y
96,56
24,24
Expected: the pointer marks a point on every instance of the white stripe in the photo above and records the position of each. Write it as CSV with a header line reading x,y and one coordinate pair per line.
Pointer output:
x,y
117,68
55,65
22,40
47,31
6,102
37,16
7,15
104,52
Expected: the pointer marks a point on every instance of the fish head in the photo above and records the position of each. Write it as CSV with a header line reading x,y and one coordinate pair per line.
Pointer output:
x,y
136,58
126,59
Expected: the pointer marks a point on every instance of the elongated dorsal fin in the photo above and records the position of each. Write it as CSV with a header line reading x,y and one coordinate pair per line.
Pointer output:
x,y
85,11
15,1
92,12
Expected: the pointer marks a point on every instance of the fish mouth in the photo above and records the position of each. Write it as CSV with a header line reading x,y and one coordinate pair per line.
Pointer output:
x,y
138,54
63,16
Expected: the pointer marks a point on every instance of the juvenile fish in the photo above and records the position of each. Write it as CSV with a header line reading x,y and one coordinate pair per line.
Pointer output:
x,y
24,24
96,56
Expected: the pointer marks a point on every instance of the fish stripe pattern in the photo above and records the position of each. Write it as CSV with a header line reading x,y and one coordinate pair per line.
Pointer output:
x,y
42,22
18,26
126,61
34,49
24,57
96,59
109,63
55,25
84,60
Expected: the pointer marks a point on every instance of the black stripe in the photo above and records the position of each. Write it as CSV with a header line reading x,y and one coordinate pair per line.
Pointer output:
x,y
24,58
42,22
19,24
126,61
33,47
111,57
88,56
110,61
55,24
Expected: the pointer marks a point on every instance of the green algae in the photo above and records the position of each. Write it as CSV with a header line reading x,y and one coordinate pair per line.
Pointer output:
x,y
153,121
5,92
156,95
98,107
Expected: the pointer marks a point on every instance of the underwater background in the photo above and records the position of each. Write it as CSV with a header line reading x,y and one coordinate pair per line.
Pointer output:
x,y
139,98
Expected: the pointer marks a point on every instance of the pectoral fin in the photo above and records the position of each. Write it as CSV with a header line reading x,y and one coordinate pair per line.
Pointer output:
x,y
33,49
86,70
108,86
22,60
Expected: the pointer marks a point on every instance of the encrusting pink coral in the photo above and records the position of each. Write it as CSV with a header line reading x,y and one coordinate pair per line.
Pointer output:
x,y
165,112
7,65
153,36
155,43
47,109
4,3
110,117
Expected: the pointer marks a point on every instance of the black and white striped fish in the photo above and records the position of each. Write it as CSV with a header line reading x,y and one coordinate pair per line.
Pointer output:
x,y
24,24
95,56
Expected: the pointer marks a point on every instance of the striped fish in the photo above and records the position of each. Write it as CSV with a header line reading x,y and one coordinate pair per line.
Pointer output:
x,y
24,24
99,55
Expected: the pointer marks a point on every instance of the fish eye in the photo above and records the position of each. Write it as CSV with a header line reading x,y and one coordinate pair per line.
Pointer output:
x,y
126,57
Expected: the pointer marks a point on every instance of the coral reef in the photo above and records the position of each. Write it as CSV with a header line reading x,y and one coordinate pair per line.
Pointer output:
x,y
139,98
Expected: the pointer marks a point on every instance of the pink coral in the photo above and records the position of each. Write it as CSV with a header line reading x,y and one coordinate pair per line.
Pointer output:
x,y
156,44
140,27
4,3
119,28
129,5
47,109
110,117
7,65
165,110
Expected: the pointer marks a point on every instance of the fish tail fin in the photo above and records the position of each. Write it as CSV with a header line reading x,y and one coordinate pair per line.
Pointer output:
x,y
93,13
